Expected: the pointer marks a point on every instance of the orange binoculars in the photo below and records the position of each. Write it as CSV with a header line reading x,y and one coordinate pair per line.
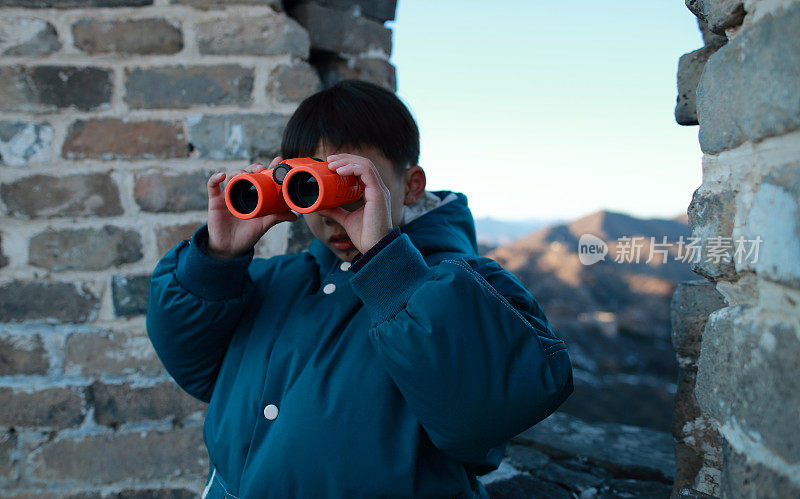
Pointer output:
x,y
301,184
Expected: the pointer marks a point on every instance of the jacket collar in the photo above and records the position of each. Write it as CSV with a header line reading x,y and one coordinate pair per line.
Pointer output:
x,y
449,226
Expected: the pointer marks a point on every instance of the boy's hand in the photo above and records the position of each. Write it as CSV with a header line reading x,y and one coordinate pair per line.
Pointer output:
x,y
368,224
228,236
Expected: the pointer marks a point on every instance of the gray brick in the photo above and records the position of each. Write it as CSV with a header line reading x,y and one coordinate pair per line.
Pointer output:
x,y
742,476
27,36
147,456
747,372
719,14
157,191
183,87
3,257
117,404
276,34
68,4
140,36
237,136
216,4
337,30
110,353
129,294
93,194
111,138
690,307
381,10
22,354
333,68
711,216
49,88
690,67
24,142
293,83
60,301
85,249
169,236
8,442
51,407
750,88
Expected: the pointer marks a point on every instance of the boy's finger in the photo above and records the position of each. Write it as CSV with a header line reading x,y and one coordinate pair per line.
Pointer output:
x,y
213,183
255,168
275,161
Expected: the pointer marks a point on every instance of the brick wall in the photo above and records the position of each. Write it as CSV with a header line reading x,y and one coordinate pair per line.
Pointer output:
x,y
737,332
113,113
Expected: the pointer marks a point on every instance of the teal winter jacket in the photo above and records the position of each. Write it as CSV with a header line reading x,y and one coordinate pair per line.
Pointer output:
x,y
405,378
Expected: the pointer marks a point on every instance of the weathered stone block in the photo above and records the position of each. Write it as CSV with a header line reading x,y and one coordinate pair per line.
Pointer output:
x,y
27,36
110,353
619,448
333,68
381,10
117,404
275,34
690,307
93,194
51,407
750,88
24,142
158,191
22,354
129,294
690,66
139,36
49,88
771,233
111,138
337,30
237,136
85,249
59,301
719,14
711,215
747,373
3,257
744,477
169,236
183,87
216,4
8,443
69,4
293,83
177,453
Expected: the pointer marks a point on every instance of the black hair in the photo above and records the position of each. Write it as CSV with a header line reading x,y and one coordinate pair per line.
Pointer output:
x,y
354,113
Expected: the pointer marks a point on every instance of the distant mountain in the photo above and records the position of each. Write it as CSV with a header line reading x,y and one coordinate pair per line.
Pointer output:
x,y
614,315
494,232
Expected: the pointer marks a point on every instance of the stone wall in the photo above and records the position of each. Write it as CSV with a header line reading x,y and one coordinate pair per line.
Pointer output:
x,y
737,333
113,113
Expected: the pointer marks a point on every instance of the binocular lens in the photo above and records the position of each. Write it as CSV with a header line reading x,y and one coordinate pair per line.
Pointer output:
x,y
303,189
244,197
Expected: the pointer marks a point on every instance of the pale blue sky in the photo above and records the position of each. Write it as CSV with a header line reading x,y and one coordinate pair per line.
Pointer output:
x,y
540,109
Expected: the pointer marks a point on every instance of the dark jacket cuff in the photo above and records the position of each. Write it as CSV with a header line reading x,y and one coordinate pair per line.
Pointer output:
x,y
207,277
360,260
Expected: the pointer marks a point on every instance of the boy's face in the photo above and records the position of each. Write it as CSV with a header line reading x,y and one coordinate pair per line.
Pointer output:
x,y
325,228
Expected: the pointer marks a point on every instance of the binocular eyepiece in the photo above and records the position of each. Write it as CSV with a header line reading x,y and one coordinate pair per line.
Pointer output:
x,y
304,185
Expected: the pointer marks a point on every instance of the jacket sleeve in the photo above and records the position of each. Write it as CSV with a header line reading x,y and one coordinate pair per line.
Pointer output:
x,y
467,346
194,304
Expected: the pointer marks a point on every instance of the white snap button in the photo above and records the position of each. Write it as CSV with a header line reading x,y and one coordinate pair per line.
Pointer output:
x,y
345,266
271,411
329,288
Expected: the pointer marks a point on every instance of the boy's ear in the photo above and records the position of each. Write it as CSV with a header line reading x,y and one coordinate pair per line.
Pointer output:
x,y
414,181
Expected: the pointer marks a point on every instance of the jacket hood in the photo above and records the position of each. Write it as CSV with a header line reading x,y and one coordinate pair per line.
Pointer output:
x,y
448,227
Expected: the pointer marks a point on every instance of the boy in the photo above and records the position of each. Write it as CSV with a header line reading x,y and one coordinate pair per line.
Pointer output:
x,y
387,360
